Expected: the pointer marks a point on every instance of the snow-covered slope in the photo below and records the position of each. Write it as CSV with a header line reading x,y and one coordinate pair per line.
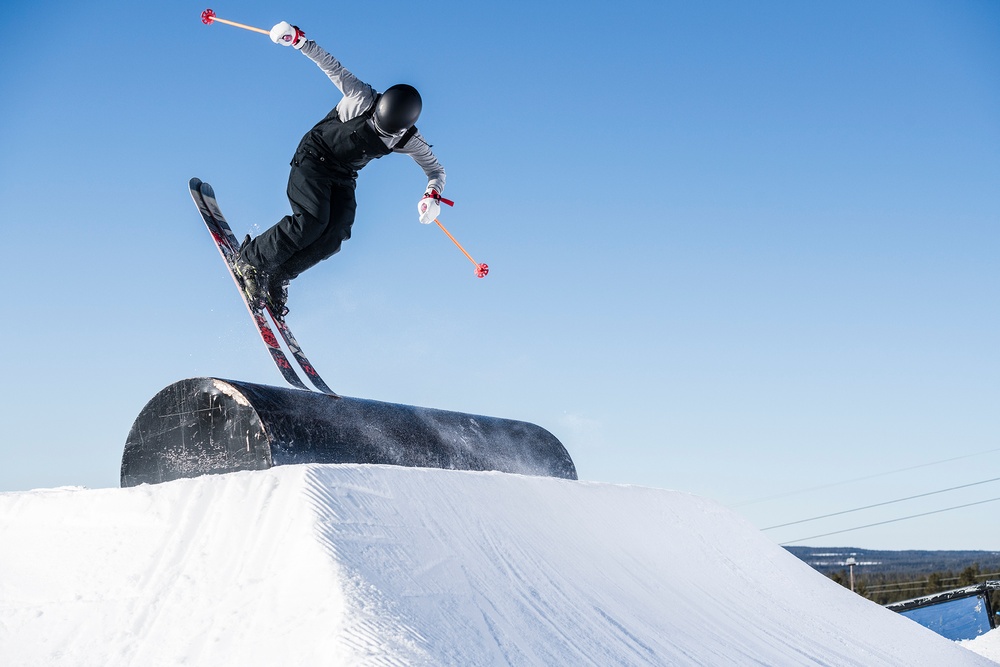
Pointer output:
x,y
358,565
987,645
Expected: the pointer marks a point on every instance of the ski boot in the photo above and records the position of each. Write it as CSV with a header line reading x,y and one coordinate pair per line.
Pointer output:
x,y
252,281
276,297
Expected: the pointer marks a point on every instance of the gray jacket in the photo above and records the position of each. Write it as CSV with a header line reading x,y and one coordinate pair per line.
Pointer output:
x,y
358,98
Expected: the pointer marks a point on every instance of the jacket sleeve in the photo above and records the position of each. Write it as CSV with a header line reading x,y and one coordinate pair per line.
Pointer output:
x,y
418,148
358,95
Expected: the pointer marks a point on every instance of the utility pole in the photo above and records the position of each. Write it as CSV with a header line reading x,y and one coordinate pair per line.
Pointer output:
x,y
851,563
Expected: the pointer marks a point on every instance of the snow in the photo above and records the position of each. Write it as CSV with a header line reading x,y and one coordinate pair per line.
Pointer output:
x,y
987,645
372,565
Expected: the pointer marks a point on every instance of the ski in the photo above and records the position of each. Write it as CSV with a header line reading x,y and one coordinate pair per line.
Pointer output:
x,y
256,312
296,350
208,197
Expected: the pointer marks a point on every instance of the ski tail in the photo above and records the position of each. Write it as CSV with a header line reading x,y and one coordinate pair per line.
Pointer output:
x,y
293,346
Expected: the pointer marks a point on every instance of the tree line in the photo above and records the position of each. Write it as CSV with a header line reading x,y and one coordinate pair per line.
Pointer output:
x,y
887,587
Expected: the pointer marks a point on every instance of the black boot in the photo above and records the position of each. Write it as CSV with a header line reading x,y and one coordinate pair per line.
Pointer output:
x,y
277,296
252,280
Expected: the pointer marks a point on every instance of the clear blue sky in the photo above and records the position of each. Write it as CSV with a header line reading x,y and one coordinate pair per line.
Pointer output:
x,y
737,249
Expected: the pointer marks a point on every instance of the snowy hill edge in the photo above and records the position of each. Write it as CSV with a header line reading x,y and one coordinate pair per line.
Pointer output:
x,y
353,565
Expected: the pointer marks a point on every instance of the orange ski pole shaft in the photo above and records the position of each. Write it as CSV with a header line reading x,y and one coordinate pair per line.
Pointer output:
x,y
208,17
481,269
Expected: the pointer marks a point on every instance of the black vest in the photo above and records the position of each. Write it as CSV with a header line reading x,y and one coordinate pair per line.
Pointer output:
x,y
344,148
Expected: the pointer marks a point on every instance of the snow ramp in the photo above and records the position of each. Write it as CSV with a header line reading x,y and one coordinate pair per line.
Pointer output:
x,y
386,565
208,426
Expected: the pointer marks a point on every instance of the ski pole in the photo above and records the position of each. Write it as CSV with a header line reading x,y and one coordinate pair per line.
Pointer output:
x,y
208,17
481,269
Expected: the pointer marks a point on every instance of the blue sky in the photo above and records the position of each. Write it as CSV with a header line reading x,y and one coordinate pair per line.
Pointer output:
x,y
737,249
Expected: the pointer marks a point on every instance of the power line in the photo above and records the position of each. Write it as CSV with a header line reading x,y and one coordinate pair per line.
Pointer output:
x,y
861,479
882,523
888,502
898,590
889,588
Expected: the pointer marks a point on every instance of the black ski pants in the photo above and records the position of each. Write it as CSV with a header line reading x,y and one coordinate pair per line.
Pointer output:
x,y
323,208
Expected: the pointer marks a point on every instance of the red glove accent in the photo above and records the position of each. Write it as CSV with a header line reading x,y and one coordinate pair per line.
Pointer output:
x,y
433,194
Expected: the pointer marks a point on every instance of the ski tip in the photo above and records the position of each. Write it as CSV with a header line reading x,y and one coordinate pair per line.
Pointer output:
x,y
207,190
195,183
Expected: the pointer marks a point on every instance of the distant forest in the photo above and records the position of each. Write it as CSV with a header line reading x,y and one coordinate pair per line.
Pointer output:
x,y
891,576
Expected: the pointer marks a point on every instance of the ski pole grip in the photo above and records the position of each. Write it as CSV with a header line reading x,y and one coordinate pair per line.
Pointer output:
x,y
433,194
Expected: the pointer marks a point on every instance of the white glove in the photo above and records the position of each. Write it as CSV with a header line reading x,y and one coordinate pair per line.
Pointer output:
x,y
429,207
288,35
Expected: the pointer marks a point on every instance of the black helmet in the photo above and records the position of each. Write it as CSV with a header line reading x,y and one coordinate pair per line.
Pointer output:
x,y
397,109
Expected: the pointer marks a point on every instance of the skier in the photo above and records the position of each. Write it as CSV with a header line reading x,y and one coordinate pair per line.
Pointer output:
x,y
364,125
